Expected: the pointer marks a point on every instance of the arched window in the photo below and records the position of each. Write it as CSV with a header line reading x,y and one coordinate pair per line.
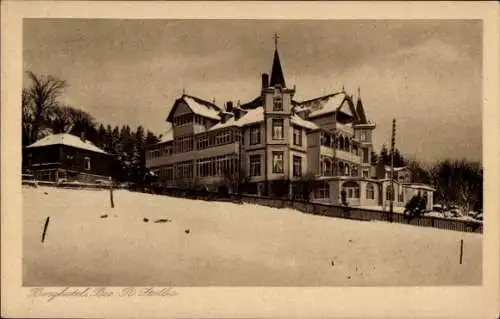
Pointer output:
x,y
328,167
370,191
355,148
347,170
346,143
341,142
327,140
341,168
354,171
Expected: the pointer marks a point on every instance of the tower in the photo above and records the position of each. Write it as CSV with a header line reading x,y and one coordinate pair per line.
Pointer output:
x,y
277,104
364,130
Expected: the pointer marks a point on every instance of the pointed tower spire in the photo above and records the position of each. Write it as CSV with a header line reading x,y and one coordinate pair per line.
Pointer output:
x,y
277,76
360,110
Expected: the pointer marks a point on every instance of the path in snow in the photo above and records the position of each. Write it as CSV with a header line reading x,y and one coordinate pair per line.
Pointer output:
x,y
227,245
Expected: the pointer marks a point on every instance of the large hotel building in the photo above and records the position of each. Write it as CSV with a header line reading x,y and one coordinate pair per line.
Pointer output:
x,y
274,144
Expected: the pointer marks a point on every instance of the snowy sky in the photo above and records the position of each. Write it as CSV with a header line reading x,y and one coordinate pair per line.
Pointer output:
x,y
427,75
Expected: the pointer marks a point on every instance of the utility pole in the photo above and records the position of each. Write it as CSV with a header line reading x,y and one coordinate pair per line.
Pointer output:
x,y
392,193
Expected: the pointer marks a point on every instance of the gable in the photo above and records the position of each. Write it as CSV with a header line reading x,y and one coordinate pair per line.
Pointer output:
x,y
181,108
346,108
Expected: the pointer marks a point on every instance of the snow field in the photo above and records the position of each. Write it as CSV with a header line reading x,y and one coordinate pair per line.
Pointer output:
x,y
227,245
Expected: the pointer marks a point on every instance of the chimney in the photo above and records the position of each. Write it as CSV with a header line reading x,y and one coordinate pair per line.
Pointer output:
x,y
82,136
229,106
265,80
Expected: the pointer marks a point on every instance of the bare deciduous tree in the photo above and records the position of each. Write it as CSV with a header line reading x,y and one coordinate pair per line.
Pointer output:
x,y
459,183
42,96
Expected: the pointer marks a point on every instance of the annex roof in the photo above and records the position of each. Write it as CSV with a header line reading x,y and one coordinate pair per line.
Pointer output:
x,y
68,140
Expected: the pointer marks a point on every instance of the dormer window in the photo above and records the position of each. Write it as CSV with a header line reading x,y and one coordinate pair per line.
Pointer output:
x,y
277,103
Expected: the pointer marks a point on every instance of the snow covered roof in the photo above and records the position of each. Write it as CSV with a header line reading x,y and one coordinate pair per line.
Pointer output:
x,y
256,116
66,139
420,186
325,105
252,116
202,108
168,136
198,106
297,120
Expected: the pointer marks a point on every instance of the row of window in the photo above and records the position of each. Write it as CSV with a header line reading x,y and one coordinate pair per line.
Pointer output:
x,y
187,143
277,164
187,119
341,169
207,167
340,142
278,133
225,166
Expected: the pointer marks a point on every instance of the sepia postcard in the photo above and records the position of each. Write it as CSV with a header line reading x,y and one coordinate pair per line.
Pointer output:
x,y
239,159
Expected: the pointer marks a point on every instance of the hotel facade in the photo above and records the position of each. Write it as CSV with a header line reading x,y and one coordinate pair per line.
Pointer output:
x,y
275,145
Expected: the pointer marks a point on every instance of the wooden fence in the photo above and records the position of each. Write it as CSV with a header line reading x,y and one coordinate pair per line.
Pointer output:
x,y
337,211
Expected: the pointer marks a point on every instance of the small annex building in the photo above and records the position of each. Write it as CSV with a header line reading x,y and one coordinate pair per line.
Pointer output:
x,y
65,156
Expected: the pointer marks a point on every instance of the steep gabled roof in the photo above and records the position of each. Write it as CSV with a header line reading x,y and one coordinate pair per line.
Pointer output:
x,y
198,106
277,77
327,104
68,140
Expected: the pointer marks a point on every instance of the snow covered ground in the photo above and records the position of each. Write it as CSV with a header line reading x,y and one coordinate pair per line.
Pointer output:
x,y
227,245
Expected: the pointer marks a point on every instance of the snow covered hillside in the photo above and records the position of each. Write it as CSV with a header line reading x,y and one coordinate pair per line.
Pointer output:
x,y
198,243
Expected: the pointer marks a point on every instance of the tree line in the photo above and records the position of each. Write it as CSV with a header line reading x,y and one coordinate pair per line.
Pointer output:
x,y
43,114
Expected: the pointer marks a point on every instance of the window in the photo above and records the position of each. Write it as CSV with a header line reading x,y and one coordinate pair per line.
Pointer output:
x,y
370,191
365,155
202,142
365,173
277,103
347,170
184,144
297,136
400,195
255,165
354,171
86,161
183,120
323,191
364,136
184,170
297,166
352,189
278,162
223,138
278,131
255,135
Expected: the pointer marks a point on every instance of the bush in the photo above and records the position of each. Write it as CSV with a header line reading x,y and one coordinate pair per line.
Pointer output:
x,y
416,206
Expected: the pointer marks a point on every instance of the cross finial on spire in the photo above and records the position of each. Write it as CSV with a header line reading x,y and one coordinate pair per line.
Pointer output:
x,y
276,37
359,92
183,91
343,89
